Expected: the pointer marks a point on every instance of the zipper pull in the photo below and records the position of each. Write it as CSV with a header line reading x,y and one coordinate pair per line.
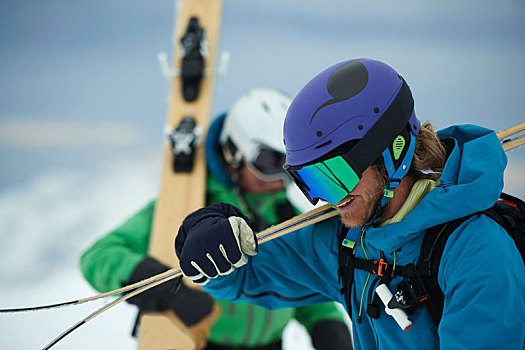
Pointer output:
x,y
359,238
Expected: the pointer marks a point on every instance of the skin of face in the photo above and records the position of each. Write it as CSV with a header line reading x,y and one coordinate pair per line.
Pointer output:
x,y
250,182
356,208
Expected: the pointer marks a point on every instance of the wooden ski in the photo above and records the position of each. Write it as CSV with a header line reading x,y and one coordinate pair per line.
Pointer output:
x,y
511,138
183,182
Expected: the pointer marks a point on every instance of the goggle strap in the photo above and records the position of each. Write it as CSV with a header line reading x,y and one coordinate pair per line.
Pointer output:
x,y
266,177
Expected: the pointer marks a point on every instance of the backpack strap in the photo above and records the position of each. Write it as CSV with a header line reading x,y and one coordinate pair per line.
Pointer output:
x,y
419,279
509,212
420,283
428,265
346,270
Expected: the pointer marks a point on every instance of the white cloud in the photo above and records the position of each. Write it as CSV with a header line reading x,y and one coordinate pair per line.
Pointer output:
x,y
67,133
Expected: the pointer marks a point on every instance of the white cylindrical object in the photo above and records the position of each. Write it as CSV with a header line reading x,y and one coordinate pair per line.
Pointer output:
x,y
398,314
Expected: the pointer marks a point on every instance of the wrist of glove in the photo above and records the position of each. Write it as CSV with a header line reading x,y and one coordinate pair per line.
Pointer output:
x,y
189,305
213,241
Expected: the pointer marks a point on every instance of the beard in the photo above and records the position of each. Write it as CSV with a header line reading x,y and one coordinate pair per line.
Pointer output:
x,y
365,203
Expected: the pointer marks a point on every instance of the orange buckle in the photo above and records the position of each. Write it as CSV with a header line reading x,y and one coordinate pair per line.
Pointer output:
x,y
383,265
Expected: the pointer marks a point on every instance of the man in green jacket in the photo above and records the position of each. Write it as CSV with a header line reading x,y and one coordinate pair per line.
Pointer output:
x,y
244,155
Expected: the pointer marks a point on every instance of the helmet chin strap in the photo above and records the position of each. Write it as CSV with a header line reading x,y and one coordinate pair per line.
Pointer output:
x,y
392,177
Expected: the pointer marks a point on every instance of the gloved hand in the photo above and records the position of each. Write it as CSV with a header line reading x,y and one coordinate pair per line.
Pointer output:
x,y
213,241
189,305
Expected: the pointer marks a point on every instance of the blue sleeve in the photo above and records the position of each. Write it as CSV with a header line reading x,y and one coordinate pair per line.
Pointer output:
x,y
482,277
297,269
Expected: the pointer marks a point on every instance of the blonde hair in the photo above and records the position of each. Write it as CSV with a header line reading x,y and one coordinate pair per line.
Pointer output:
x,y
429,154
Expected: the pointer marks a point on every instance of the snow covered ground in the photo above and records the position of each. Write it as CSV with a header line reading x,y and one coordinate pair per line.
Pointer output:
x,y
44,227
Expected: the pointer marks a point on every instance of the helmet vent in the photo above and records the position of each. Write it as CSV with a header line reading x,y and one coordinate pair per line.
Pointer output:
x,y
360,127
319,133
376,110
323,144
399,144
265,107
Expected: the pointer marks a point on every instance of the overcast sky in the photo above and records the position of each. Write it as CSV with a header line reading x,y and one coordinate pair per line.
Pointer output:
x,y
81,85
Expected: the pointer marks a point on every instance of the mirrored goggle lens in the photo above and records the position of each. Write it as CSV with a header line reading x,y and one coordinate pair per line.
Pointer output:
x,y
330,180
269,162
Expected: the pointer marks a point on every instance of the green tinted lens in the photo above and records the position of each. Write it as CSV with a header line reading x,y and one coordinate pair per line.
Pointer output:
x,y
330,180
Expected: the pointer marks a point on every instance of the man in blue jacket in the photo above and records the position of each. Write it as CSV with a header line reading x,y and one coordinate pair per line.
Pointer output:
x,y
353,140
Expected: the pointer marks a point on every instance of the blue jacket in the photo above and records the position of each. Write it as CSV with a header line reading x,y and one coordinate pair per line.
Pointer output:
x,y
482,274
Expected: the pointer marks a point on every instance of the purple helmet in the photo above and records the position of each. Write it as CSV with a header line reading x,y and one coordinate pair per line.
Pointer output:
x,y
362,100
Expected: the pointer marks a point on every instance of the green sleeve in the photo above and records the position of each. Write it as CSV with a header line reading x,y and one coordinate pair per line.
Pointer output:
x,y
110,260
311,314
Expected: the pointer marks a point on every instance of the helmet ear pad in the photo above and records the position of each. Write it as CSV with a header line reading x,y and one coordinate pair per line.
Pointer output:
x,y
397,158
399,147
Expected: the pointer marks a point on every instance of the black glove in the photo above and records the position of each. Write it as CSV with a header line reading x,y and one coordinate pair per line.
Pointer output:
x,y
212,241
189,304
331,335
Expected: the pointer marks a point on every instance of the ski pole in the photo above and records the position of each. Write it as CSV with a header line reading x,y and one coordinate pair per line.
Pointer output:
x,y
316,215
95,297
285,227
110,305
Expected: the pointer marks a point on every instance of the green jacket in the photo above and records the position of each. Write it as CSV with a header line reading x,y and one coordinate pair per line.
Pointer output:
x,y
110,261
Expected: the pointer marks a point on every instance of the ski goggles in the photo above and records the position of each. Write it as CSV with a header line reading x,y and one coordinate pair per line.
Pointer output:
x,y
268,164
333,178
330,180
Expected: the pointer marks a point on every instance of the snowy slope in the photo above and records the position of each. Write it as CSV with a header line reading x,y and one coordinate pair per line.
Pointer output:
x,y
44,227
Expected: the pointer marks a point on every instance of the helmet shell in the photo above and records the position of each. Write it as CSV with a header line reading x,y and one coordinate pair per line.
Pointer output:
x,y
256,119
340,104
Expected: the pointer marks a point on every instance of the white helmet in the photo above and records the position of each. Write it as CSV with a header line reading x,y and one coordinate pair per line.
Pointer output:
x,y
252,132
